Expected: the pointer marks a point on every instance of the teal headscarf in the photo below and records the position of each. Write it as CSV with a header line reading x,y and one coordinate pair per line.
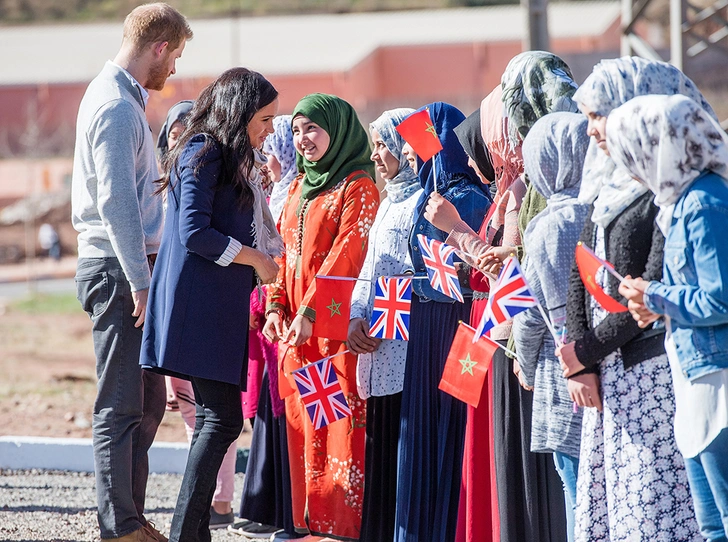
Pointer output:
x,y
348,150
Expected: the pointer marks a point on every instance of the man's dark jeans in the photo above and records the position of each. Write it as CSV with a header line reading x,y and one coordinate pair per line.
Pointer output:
x,y
218,422
129,402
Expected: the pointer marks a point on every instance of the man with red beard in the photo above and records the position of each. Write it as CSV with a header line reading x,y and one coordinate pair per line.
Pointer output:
x,y
119,222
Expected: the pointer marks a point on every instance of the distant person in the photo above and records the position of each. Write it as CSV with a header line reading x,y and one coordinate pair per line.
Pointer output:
x,y
119,221
49,241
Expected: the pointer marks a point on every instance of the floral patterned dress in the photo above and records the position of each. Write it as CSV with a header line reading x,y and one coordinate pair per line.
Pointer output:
x,y
327,235
632,484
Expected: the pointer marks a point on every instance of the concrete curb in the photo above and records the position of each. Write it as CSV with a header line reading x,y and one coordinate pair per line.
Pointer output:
x,y
76,454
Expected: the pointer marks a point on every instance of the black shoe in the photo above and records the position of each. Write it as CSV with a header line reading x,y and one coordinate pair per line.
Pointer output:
x,y
255,530
221,521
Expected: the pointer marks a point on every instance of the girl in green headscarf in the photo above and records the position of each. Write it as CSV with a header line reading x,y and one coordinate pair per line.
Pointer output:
x,y
325,226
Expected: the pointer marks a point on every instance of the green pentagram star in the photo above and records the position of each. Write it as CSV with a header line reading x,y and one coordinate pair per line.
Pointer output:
x,y
334,308
468,365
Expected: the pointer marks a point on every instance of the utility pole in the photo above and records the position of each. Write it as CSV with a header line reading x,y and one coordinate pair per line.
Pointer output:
x,y
537,34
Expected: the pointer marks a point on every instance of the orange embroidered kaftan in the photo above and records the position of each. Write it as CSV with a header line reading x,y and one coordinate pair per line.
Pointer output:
x,y
327,235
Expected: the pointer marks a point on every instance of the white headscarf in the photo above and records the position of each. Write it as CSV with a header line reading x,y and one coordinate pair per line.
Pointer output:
x,y
280,145
611,84
553,155
265,234
405,183
666,142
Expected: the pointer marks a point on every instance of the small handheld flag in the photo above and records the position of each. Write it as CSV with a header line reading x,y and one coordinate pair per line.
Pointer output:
x,y
391,311
419,131
588,264
509,296
321,393
438,258
333,307
466,365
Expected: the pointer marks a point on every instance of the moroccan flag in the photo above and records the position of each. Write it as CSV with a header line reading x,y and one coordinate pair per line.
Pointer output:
x,y
321,393
466,365
333,305
588,264
419,131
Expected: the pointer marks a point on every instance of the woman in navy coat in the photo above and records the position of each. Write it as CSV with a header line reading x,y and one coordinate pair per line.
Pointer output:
x,y
197,314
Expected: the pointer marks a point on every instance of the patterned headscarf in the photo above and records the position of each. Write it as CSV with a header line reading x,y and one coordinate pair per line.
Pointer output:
x,y
405,183
348,150
553,155
611,84
471,138
451,162
666,142
535,84
280,145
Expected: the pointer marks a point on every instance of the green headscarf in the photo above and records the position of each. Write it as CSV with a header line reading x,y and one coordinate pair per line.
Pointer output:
x,y
348,150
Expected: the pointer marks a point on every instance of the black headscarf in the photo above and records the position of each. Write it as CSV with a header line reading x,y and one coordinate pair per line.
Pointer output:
x,y
471,139
178,112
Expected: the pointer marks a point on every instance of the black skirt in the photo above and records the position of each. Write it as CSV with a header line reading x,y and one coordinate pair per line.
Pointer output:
x,y
530,493
380,474
267,487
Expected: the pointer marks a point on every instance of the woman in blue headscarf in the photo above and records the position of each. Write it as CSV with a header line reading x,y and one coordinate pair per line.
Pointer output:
x,y
432,422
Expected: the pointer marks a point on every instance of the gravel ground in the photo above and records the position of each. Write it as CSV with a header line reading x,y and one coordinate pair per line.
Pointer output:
x,y
54,505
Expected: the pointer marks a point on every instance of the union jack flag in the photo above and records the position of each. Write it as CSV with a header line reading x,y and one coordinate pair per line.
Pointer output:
x,y
510,295
438,258
321,393
390,316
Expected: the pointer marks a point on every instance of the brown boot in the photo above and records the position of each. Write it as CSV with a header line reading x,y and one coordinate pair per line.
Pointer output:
x,y
152,532
140,535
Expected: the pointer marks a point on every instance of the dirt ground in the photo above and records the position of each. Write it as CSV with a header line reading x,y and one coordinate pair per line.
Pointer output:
x,y
47,376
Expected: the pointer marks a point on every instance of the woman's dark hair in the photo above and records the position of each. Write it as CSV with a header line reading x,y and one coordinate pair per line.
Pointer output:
x,y
223,111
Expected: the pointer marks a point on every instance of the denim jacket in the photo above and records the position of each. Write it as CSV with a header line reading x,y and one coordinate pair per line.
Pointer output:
x,y
472,204
694,289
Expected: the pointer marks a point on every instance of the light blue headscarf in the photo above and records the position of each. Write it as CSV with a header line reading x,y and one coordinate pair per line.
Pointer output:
x,y
553,158
613,83
280,145
405,183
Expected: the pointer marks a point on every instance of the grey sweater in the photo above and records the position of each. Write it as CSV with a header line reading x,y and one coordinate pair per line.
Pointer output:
x,y
114,209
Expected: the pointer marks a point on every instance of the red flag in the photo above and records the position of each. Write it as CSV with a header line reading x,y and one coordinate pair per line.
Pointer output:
x,y
588,264
419,131
466,365
333,305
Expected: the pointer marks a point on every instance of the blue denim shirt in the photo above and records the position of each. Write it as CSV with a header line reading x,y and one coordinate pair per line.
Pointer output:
x,y
472,204
694,287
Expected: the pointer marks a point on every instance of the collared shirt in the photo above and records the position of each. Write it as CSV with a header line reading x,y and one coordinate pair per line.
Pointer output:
x,y
142,91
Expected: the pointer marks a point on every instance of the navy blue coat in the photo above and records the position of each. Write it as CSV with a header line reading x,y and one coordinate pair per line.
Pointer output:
x,y
198,311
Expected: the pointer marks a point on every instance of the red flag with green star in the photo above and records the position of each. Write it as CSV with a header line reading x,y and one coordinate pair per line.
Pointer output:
x,y
332,305
588,264
466,365
419,131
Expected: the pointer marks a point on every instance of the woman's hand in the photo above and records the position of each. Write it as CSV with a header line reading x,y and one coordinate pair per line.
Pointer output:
x,y
274,327
569,362
266,268
299,331
441,213
584,390
634,291
519,374
359,341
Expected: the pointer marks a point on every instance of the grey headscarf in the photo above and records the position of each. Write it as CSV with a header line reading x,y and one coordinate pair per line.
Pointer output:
x,y
280,145
553,156
405,183
178,112
611,84
666,142
535,84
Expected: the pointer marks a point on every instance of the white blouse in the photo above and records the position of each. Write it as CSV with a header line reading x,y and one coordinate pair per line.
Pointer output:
x,y
382,372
